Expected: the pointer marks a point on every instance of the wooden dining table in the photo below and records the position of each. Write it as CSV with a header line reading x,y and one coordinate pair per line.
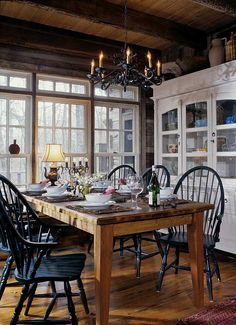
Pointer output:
x,y
106,226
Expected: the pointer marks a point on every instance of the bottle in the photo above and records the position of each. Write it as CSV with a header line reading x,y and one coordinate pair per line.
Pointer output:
x,y
154,190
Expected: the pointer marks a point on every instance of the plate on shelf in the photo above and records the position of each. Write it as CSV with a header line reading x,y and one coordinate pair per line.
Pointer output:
x,y
91,205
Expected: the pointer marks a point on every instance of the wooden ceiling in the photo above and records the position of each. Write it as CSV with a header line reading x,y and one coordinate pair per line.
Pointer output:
x,y
157,24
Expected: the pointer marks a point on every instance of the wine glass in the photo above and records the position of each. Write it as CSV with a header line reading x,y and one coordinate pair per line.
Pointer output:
x,y
135,184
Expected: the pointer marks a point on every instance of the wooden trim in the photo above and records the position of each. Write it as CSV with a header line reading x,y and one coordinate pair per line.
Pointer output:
x,y
34,129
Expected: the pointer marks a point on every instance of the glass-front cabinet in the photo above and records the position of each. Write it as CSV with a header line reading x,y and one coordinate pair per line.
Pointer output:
x,y
195,124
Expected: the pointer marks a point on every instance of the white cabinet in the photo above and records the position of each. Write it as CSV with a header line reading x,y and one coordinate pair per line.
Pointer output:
x,y
195,124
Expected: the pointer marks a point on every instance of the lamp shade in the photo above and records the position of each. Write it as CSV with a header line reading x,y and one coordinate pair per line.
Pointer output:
x,y
53,153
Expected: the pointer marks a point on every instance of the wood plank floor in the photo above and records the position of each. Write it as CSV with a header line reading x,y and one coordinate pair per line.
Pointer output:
x,y
133,301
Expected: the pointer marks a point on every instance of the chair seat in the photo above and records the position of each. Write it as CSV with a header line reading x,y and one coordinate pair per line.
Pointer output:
x,y
181,239
57,268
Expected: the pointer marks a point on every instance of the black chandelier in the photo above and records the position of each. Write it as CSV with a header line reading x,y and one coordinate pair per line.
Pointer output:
x,y
126,72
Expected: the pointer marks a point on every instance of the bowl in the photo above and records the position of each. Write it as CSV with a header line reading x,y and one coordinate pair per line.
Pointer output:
x,y
98,197
55,190
36,187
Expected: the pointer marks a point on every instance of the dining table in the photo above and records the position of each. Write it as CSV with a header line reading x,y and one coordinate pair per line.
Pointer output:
x,y
122,220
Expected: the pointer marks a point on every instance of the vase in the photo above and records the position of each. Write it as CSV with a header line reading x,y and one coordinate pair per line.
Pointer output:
x,y
14,148
216,52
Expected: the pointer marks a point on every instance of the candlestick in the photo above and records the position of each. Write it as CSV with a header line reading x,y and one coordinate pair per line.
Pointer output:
x,y
92,66
100,59
128,52
149,56
158,68
145,71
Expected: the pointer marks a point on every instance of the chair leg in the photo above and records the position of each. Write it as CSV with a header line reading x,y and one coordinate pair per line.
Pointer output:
x,y
216,265
83,296
138,251
23,297
208,275
71,307
31,297
5,274
176,259
157,239
163,268
90,243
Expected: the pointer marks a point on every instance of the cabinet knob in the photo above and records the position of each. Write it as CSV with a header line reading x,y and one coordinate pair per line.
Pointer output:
x,y
213,141
213,134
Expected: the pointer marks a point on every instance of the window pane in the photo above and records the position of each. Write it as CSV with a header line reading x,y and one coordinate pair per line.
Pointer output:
x,y
114,162
196,142
114,118
18,82
18,170
114,141
17,112
115,92
78,89
63,87
128,141
99,92
196,161
100,141
170,144
127,118
170,120
171,164
3,139
196,115
3,166
17,134
130,160
45,85
226,166
100,117
61,115
44,137
3,111
102,165
45,113
62,137
3,81
78,141
77,116
226,111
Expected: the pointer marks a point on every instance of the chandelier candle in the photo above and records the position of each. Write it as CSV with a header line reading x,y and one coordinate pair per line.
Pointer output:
x,y
92,66
100,60
149,56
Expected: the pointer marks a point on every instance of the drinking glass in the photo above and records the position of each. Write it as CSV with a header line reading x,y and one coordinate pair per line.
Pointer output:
x,y
135,184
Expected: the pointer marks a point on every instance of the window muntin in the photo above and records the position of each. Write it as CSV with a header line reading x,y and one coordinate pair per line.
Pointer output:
x,y
60,85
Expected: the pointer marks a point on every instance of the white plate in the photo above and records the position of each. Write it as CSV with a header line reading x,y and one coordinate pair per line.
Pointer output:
x,y
54,196
169,197
123,191
91,205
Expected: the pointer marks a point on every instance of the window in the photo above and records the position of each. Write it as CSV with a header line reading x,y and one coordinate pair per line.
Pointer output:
x,y
62,118
15,80
115,135
15,124
131,93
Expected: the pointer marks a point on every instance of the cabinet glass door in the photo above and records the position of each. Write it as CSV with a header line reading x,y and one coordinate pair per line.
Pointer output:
x,y
195,134
226,137
169,140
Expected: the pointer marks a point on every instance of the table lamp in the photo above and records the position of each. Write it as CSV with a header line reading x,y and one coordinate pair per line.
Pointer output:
x,y
53,153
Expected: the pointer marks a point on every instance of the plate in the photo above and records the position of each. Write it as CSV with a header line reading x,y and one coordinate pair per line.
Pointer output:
x,y
61,196
91,205
169,197
34,193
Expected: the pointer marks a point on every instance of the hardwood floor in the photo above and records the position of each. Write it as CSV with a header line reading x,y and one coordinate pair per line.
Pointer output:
x,y
133,301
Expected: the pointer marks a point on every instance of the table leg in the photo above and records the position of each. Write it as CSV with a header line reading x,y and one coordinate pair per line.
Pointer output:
x,y
103,250
195,243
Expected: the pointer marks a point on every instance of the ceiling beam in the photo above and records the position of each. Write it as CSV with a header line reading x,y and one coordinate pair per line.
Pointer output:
x,y
103,12
225,6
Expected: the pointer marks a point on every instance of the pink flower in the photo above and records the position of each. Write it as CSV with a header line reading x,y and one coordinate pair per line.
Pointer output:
x,y
109,190
122,181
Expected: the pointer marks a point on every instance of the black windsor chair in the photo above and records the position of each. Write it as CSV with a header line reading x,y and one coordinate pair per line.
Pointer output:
x,y
119,172
164,180
30,242
199,184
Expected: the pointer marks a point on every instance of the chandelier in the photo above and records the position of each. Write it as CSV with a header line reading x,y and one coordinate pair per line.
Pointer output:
x,y
126,72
